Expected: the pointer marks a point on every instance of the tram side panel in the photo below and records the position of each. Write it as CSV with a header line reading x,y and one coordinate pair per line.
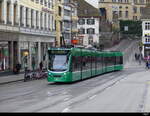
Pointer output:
x,y
118,63
86,67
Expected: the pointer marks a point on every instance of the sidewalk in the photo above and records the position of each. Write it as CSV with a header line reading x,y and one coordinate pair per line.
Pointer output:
x,y
9,77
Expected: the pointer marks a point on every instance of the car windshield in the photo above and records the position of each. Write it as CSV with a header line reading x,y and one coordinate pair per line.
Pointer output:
x,y
58,62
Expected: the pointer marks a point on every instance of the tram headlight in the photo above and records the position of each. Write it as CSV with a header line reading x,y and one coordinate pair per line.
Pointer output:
x,y
49,74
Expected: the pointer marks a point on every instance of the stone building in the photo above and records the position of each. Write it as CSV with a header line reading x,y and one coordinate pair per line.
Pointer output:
x,y
114,10
27,29
88,23
146,31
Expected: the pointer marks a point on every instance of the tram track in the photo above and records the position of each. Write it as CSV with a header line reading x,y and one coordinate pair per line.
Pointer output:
x,y
88,88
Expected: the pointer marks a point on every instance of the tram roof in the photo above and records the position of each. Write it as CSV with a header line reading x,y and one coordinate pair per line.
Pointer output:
x,y
86,52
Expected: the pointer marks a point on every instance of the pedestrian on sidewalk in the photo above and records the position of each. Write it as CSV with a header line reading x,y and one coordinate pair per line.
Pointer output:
x,y
33,63
18,67
147,63
140,58
135,56
41,65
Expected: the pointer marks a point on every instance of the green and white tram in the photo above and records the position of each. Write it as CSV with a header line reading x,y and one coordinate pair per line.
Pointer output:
x,y
70,65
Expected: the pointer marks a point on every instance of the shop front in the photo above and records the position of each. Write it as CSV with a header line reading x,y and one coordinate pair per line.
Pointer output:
x,y
146,50
4,56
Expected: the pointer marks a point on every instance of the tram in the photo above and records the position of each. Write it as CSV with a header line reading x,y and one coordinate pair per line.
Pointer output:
x,y
75,64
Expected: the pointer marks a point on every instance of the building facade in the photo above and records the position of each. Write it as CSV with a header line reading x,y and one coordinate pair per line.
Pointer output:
x,y
58,21
146,31
114,10
70,20
27,29
88,23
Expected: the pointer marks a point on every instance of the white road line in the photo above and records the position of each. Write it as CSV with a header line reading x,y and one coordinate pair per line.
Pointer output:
x,y
66,99
66,110
92,97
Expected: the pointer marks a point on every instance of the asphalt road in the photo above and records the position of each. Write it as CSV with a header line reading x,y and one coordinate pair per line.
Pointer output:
x,y
122,91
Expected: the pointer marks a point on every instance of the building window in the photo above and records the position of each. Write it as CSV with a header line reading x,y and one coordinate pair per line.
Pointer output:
x,y
41,2
141,1
126,14
37,1
59,11
147,26
8,13
81,21
135,1
45,21
120,14
37,19
90,21
147,1
90,39
101,0
0,11
114,1
15,14
21,16
41,23
27,17
32,19
134,9
82,31
134,17
90,31
49,22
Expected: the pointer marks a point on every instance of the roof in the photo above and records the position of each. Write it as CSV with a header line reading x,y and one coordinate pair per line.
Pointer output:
x,y
145,12
87,10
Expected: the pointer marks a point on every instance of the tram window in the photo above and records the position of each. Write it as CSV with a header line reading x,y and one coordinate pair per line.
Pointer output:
x,y
99,62
109,61
76,63
93,60
119,60
86,63
105,61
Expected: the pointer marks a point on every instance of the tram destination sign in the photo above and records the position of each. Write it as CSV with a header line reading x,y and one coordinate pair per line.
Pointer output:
x,y
58,52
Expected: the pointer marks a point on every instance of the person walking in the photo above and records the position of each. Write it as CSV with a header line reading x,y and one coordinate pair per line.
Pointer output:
x,y
140,58
147,63
41,65
33,63
135,56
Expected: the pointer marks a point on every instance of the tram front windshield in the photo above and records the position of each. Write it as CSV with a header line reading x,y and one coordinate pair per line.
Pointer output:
x,y
58,62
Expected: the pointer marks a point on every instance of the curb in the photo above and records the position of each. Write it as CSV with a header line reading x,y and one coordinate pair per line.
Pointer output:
x,y
8,82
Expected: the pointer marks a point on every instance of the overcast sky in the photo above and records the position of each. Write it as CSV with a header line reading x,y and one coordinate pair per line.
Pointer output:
x,y
93,2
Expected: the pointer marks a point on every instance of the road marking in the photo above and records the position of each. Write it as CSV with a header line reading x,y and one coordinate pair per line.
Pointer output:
x,y
92,97
66,110
66,99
